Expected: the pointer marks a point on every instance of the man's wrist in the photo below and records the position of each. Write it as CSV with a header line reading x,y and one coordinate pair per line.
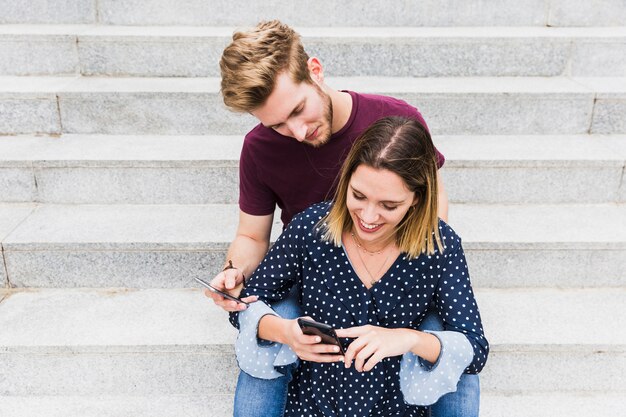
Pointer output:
x,y
230,265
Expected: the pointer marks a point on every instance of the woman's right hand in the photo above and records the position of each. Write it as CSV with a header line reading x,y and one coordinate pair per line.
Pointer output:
x,y
308,347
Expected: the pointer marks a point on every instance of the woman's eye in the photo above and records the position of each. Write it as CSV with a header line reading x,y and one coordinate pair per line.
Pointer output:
x,y
358,197
390,208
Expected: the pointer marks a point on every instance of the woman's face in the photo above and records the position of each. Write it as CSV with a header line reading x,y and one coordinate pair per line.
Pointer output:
x,y
377,201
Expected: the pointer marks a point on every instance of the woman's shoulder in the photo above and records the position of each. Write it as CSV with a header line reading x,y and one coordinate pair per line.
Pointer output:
x,y
310,217
449,238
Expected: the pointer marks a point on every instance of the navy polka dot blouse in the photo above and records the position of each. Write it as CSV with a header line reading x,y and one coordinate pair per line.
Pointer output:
x,y
330,292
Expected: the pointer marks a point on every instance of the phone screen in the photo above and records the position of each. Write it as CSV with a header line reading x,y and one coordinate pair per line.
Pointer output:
x,y
222,293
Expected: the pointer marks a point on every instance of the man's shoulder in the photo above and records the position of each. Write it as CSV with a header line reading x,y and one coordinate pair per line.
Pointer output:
x,y
385,102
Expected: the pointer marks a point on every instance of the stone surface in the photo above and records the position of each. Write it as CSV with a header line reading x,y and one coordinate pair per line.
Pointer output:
x,y
67,319
567,310
29,115
38,55
122,246
377,51
450,105
532,225
151,56
498,266
175,342
11,215
167,246
204,170
48,11
598,58
609,115
604,13
344,13
160,184
204,405
579,404
17,185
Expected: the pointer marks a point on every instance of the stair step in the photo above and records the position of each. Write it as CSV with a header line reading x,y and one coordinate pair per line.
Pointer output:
x,y
176,342
102,169
174,106
319,13
205,404
578,404
156,51
165,246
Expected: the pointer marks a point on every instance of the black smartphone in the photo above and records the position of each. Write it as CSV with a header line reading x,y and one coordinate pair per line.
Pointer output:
x,y
222,293
326,332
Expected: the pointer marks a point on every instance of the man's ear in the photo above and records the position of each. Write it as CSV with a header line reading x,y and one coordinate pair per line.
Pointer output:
x,y
316,70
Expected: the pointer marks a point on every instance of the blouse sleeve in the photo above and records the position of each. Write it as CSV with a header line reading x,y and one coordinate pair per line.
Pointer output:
x,y
457,306
463,345
274,278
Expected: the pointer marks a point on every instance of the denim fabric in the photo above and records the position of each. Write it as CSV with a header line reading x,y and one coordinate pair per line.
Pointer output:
x,y
256,397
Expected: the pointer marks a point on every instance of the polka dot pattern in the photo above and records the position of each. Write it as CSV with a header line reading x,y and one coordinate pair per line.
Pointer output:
x,y
331,292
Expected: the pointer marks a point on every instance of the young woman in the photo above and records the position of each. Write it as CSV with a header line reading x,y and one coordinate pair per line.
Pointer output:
x,y
369,264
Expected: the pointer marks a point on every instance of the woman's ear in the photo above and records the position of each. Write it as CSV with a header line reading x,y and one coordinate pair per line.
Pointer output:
x,y
316,70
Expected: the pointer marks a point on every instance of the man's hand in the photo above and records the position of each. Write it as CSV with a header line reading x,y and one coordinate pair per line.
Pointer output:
x,y
374,343
231,282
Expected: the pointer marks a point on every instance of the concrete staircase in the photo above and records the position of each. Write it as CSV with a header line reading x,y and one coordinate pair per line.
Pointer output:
x,y
118,185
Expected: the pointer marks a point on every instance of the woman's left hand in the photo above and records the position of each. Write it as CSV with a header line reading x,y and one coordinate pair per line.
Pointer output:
x,y
374,343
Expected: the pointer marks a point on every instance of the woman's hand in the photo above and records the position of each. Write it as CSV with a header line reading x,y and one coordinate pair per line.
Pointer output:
x,y
308,347
374,343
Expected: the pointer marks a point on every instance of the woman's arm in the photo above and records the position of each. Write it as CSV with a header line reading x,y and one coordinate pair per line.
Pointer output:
x,y
374,343
456,304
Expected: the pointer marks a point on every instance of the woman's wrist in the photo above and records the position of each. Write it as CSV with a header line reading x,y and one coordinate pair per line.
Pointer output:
x,y
426,346
273,328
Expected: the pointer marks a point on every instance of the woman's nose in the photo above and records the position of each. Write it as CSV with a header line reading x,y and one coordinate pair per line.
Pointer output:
x,y
369,214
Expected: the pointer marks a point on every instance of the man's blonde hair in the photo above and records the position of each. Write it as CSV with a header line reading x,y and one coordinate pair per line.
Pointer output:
x,y
252,61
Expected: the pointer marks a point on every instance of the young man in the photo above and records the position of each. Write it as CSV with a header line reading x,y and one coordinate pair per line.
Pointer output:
x,y
292,159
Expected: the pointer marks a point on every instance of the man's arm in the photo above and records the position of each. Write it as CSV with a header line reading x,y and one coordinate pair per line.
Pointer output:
x,y
245,252
442,201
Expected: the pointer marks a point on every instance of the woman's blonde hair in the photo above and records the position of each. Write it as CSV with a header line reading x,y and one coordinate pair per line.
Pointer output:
x,y
404,147
251,63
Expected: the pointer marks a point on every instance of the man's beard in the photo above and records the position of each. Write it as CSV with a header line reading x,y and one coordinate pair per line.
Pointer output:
x,y
327,116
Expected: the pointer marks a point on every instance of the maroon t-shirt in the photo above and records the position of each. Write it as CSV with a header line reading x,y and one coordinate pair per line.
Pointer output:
x,y
276,169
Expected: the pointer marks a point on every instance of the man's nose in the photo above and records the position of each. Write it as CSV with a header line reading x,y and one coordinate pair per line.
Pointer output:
x,y
298,129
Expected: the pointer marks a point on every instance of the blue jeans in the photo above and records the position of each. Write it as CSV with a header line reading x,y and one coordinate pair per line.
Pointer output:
x,y
256,397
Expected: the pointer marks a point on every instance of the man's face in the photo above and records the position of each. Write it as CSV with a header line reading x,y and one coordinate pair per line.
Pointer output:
x,y
301,111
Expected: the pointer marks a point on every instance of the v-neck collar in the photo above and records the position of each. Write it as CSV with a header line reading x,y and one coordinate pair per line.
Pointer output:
x,y
384,296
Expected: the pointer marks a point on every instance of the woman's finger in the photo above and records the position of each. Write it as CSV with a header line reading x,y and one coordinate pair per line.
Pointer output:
x,y
353,350
373,361
364,354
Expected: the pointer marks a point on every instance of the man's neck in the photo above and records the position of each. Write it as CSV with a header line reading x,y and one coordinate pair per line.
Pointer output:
x,y
342,108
